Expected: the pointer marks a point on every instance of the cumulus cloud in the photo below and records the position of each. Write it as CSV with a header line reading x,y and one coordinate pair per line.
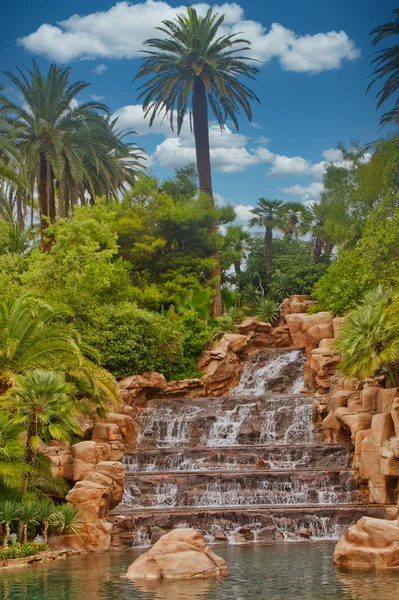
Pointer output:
x,y
96,97
100,69
308,193
120,31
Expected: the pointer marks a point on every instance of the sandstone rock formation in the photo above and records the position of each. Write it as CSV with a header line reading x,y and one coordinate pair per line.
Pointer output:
x,y
370,544
180,554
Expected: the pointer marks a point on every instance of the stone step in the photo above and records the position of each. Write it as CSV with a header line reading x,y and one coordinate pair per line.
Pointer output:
x,y
238,457
245,524
242,488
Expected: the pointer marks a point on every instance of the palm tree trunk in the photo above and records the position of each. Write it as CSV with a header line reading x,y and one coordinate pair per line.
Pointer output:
x,y
25,538
43,201
202,151
237,267
45,531
268,252
6,536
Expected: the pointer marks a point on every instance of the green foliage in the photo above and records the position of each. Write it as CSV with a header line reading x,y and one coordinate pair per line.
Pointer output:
x,y
369,338
22,550
267,310
65,519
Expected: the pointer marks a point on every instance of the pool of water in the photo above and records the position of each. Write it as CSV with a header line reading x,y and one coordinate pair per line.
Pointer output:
x,y
282,572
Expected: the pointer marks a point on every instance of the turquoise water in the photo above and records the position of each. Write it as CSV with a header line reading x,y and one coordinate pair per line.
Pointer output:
x,y
279,572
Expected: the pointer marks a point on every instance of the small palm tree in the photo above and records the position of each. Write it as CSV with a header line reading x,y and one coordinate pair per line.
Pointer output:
x,y
387,67
192,66
270,215
314,223
65,519
41,403
369,338
45,514
281,286
29,515
9,512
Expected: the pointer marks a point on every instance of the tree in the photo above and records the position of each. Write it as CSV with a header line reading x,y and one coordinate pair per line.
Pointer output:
x,y
67,148
235,244
188,69
9,512
13,469
294,220
320,242
270,215
369,338
386,67
41,403
29,515
35,335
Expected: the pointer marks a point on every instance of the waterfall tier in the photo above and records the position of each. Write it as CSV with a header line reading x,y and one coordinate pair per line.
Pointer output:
x,y
248,467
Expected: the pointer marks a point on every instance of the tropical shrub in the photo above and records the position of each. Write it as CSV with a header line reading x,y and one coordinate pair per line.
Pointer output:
x,y
22,550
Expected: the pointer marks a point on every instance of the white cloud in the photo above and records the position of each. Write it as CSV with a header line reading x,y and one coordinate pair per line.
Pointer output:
x,y
308,193
100,69
120,31
132,117
332,155
96,97
243,213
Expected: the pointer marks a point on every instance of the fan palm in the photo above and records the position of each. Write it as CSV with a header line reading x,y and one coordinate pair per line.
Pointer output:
x,y
314,222
294,219
37,336
270,215
386,66
234,247
45,512
13,469
66,519
369,338
29,515
9,512
188,69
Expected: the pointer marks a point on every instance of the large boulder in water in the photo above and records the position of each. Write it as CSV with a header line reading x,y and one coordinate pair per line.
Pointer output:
x,y
180,554
370,544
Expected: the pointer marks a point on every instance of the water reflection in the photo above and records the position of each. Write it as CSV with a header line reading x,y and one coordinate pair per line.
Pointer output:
x,y
199,589
369,585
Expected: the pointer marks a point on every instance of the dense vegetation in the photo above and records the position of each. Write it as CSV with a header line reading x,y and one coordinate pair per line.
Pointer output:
x,y
108,271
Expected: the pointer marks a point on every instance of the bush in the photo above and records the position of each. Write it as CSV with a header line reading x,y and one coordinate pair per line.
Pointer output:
x,y
21,550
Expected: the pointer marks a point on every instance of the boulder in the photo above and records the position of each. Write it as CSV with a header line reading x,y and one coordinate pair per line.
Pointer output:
x,y
136,388
370,544
395,415
180,554
308,330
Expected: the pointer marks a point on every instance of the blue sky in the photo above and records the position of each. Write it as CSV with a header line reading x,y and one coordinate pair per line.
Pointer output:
x,y
314,72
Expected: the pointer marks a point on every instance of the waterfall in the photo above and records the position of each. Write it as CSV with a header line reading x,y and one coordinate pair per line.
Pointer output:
x,y
243,468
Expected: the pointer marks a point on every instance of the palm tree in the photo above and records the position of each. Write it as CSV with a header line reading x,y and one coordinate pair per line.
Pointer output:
x,y
234,247
66,146
294,219
13,469
41,403
369,338
45,513
9,512
29,515
188,69
386,67
35,335
270,215
314,222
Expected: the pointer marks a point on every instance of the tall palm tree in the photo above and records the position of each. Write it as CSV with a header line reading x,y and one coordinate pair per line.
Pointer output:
x,y
39,336
189,68
65,145
386,66
270,215
234,247
294,219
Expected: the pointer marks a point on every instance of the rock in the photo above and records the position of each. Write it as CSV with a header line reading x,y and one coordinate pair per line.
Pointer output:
x,y
385,399
137,388
307,330
395,416
337,325
116,472
324,362
370,457
263,327
248,324
92,501
370,544
180,554
85,457
390,457
106,432
326,343
368,397
282,337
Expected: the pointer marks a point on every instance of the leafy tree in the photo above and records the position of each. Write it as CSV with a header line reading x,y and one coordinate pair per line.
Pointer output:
x,y
386,67
189,68
184,184
270,215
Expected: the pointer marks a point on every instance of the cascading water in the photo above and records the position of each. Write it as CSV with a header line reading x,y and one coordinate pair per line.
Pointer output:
x,y
254,450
